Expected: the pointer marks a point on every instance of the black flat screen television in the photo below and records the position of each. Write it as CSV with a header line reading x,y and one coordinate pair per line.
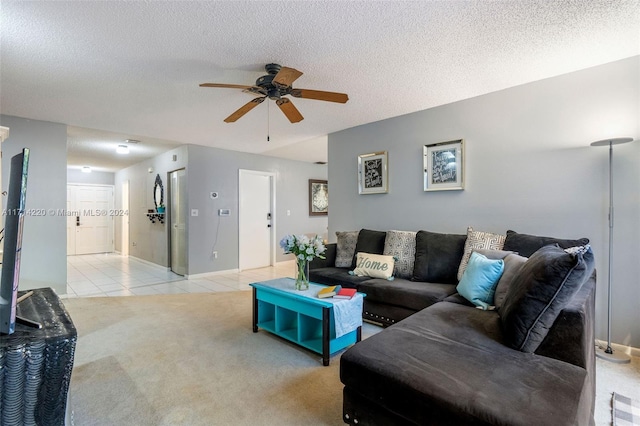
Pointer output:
x,y
14,219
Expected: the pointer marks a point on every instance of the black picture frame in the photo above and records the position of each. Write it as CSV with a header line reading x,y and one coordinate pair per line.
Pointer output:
x,y
318,197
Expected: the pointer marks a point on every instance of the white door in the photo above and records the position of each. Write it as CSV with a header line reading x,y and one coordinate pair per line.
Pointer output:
x,y
89,219
178,219
255,219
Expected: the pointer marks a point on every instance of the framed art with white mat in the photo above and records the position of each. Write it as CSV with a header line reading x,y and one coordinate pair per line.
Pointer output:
x,y
373,174
444,166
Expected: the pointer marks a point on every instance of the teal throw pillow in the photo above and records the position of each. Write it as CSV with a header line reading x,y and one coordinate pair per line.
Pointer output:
x,y
478,283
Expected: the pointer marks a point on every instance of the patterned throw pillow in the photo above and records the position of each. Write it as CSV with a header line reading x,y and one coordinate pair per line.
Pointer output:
x,y
346,248
479,240
402,246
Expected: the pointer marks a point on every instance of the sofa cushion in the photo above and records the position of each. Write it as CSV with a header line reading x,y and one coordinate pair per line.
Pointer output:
x,y
478,283
369,242
525,245
478,240
374,266
448,364
335,276
346,248
401,292
402,246
541,289
438,257
512,264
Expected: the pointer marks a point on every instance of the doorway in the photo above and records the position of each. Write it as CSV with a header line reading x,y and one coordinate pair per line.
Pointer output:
x,y
256,221
89,219
178,219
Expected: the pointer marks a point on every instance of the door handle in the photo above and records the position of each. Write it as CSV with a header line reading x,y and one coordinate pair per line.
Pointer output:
x,y
269,226
77,220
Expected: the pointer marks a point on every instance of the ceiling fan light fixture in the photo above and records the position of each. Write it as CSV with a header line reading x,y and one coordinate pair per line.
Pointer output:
x,y
122,149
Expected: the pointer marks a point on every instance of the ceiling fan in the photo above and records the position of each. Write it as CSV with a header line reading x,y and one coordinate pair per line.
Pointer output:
x,y
276,85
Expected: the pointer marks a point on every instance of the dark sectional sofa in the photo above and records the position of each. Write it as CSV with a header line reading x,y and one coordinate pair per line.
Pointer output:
x,y
442,361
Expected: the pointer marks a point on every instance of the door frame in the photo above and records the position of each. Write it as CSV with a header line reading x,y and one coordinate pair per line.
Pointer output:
x,y
126,203
168,200
272,206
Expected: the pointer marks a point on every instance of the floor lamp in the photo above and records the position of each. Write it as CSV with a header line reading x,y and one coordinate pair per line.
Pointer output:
x,y
607,354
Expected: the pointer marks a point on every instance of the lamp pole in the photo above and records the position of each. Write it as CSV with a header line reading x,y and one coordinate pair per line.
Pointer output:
x,y
607,353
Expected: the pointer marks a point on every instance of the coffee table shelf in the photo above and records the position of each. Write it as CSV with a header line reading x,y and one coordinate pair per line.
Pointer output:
x,y
306,321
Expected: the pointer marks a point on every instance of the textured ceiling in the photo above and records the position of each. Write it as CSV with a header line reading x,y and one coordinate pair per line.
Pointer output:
x,y
133,68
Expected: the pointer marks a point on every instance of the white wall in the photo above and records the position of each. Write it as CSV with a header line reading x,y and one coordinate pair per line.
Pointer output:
x,y
93,178
44,242
529,167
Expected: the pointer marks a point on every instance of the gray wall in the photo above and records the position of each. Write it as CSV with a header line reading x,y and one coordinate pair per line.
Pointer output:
x,y
44,243
211,169
93,178
147,241
529,167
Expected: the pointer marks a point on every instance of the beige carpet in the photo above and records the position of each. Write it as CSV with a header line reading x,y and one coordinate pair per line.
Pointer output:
x,y
192,359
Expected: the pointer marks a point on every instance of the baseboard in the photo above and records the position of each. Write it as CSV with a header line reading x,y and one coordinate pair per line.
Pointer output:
x,y
209,274
629,350
234,271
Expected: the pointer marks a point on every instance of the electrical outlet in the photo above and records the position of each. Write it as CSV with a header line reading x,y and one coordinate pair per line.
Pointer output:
x,y
134,244
215,254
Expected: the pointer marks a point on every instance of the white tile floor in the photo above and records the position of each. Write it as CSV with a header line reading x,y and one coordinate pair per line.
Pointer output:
x,y
110,274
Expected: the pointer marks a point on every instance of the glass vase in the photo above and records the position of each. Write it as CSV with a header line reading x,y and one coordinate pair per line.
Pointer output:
x,y
302,274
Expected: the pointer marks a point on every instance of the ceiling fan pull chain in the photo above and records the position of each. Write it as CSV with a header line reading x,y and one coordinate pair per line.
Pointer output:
x,y
268,120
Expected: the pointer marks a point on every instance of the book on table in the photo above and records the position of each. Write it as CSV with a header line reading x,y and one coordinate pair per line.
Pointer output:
x,y
345,293
329,291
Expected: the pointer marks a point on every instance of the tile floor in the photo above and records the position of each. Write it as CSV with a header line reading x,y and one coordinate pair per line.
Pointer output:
x,y
110,274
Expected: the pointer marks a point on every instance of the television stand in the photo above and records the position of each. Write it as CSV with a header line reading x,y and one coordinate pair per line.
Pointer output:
x,y
38,363
23,320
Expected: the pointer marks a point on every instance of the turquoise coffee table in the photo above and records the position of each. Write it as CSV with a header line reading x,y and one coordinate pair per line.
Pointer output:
x,y
302,318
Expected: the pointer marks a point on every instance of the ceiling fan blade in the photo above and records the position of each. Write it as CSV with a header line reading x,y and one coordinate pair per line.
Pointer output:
x,y
227,86
286,76
290,110
320,95
243,110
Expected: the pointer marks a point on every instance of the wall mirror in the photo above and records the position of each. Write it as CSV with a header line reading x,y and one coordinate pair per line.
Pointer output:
x,y
158,194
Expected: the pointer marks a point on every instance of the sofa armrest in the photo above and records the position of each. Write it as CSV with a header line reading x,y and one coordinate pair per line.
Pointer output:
x,y
572,336
328,261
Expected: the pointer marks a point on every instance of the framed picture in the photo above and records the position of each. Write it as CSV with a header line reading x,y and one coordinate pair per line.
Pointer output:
x,y
444,166
318,197
373,176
